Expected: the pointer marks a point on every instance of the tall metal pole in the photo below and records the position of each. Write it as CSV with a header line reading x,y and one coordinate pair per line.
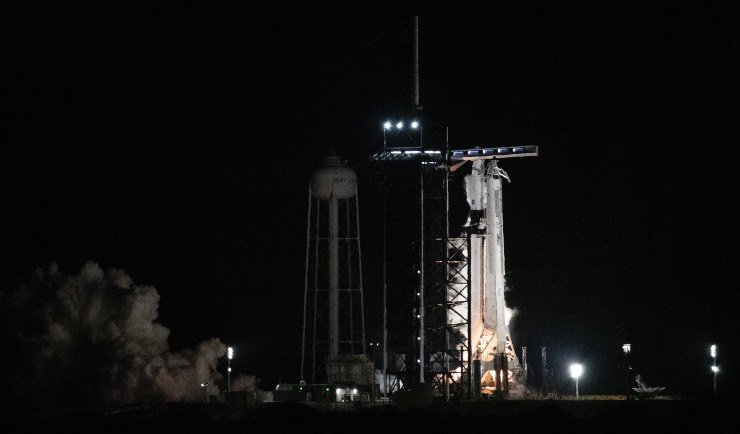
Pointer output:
x,y
229,356
447,238
415,62
713,353
421,275
471,392
415,104
385,288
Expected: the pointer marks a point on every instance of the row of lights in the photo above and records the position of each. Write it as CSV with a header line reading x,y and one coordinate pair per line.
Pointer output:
x,y
576,369
399,125
415,152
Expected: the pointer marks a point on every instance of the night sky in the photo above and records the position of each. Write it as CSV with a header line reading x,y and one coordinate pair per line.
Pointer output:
x,y
176,142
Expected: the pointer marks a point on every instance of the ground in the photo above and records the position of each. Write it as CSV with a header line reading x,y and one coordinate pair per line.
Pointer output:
x,y
586,415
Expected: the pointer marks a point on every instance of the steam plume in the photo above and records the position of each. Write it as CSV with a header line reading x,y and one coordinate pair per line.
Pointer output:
x,y
92,338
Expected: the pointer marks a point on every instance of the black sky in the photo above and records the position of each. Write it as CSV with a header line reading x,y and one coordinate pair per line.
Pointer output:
x,y
176,142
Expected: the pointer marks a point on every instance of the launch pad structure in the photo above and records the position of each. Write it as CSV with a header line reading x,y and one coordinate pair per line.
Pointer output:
x,y
464,346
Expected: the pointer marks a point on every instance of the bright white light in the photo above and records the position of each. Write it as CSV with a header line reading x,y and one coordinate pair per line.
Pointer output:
x,y
418,361
231,352
715,369
229,368
713,350
399,125
354,391
414,125
387,125
576,370
626,348
396,152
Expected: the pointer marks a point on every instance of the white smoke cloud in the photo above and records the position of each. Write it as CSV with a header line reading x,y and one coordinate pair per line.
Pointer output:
x,y
93,338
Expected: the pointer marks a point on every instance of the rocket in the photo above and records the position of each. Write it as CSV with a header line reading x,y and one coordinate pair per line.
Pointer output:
x,y
490,339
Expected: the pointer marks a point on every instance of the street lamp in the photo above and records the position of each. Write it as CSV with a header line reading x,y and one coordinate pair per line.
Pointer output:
x,y
626,348
205,390
230,355
576,370
715,368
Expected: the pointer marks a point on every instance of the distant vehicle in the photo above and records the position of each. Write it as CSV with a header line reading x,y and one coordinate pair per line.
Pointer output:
x,y
644,391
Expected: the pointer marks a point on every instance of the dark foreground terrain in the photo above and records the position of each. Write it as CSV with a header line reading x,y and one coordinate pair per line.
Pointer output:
x,y
292,417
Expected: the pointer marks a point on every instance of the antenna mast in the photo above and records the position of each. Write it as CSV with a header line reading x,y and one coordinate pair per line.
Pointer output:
x,y
415,72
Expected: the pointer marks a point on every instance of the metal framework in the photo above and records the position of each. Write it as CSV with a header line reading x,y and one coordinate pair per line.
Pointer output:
x,y
444,354
332,246
441,352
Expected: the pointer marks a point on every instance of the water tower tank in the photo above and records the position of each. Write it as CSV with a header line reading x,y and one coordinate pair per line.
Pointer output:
x,y
335,179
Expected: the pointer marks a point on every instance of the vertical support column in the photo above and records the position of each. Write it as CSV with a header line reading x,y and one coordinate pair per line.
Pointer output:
x,y
470,326
421,275
305,284
333,277
349,285
415,66
385,287
448,376
315,287
359,270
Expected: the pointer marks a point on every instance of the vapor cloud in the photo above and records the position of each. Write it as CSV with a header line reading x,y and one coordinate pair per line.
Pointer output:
x,y
93,338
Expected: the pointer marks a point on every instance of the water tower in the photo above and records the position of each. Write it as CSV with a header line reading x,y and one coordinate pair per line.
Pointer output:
x,y
333,310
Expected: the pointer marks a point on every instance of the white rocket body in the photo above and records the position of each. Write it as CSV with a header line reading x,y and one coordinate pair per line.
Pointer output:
x,y
489,332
